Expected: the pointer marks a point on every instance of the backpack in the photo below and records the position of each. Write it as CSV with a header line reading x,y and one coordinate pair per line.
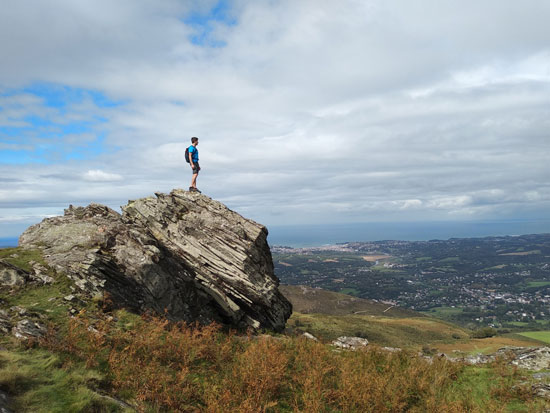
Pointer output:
x,y
187,155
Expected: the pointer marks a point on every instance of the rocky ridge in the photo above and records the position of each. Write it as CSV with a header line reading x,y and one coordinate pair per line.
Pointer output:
x,y
180,254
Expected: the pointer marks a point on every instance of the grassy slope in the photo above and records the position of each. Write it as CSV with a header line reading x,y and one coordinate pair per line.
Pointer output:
x,y
41,382
393,332
328,315
58,379
37,379
315,300
543,336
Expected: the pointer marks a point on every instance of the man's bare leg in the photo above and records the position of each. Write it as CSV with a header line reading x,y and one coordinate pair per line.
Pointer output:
x,y
194,180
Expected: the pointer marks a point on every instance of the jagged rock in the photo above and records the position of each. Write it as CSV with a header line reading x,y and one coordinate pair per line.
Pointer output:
x,y
541,390
476,359
350,343
530,358
10,275
4,402
19,310
5,322
26,329
39,273
181,254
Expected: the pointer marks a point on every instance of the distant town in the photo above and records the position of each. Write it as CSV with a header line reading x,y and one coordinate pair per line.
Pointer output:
x,y
495,281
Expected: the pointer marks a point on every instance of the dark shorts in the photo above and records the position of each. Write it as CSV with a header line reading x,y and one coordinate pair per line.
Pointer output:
x,y
196,168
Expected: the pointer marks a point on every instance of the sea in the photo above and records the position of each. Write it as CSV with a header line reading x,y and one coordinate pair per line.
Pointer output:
x,y
8,242
297,236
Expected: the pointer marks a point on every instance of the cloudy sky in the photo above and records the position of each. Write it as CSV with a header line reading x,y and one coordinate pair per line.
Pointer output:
x,y
307,111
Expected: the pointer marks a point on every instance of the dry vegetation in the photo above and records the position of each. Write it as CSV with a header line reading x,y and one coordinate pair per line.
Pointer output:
x,y
158,366
161,366
306,299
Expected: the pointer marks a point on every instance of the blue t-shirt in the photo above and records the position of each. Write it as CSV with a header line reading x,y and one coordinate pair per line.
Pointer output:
x,y
194,153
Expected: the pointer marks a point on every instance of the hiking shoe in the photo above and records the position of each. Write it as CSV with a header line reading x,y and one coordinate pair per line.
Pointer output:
x,y
192,189
197,190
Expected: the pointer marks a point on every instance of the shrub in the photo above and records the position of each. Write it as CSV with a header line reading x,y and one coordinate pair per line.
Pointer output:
x,y
165,366
484,332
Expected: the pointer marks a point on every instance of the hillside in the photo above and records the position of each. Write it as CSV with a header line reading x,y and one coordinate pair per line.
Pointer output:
x,y
328,315
306,299
84,356
81,330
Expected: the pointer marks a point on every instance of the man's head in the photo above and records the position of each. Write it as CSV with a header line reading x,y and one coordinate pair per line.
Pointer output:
x,y
194,141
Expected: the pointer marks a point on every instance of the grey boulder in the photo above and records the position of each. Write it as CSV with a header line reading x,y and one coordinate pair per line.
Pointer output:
x,y
350,343
180,254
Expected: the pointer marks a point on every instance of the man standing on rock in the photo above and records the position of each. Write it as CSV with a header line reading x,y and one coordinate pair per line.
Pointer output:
x,y
192,154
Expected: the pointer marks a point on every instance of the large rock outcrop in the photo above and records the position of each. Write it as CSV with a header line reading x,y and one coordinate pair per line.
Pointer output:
x,y
182,254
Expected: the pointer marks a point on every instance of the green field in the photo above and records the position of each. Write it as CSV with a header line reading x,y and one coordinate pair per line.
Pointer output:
x,y
350,291
443,311
538,284
523,324
543,336
450,259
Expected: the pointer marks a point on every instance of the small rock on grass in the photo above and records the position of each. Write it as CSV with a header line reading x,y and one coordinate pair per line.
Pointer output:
x,y
350,343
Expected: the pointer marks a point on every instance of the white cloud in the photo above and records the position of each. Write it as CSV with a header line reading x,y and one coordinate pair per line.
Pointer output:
x,y
97,175
313,111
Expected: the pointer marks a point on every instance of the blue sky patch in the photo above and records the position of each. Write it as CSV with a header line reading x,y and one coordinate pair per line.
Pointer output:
x,y
203,24
48,133
15,157
61,96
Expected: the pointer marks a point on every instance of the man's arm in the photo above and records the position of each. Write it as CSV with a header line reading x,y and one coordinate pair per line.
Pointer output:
x,y
191,158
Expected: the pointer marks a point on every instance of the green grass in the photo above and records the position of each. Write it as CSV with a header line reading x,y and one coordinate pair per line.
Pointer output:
x,y
46,300
476,381
21,257
394,332
382,269
38,381
450,259
532,284
543,336
350,291
313,300
494,268
443,269
444,313
525,324
482,383
517,323
41,381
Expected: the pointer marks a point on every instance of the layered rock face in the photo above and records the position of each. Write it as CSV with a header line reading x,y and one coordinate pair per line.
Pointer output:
x,y
181,254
